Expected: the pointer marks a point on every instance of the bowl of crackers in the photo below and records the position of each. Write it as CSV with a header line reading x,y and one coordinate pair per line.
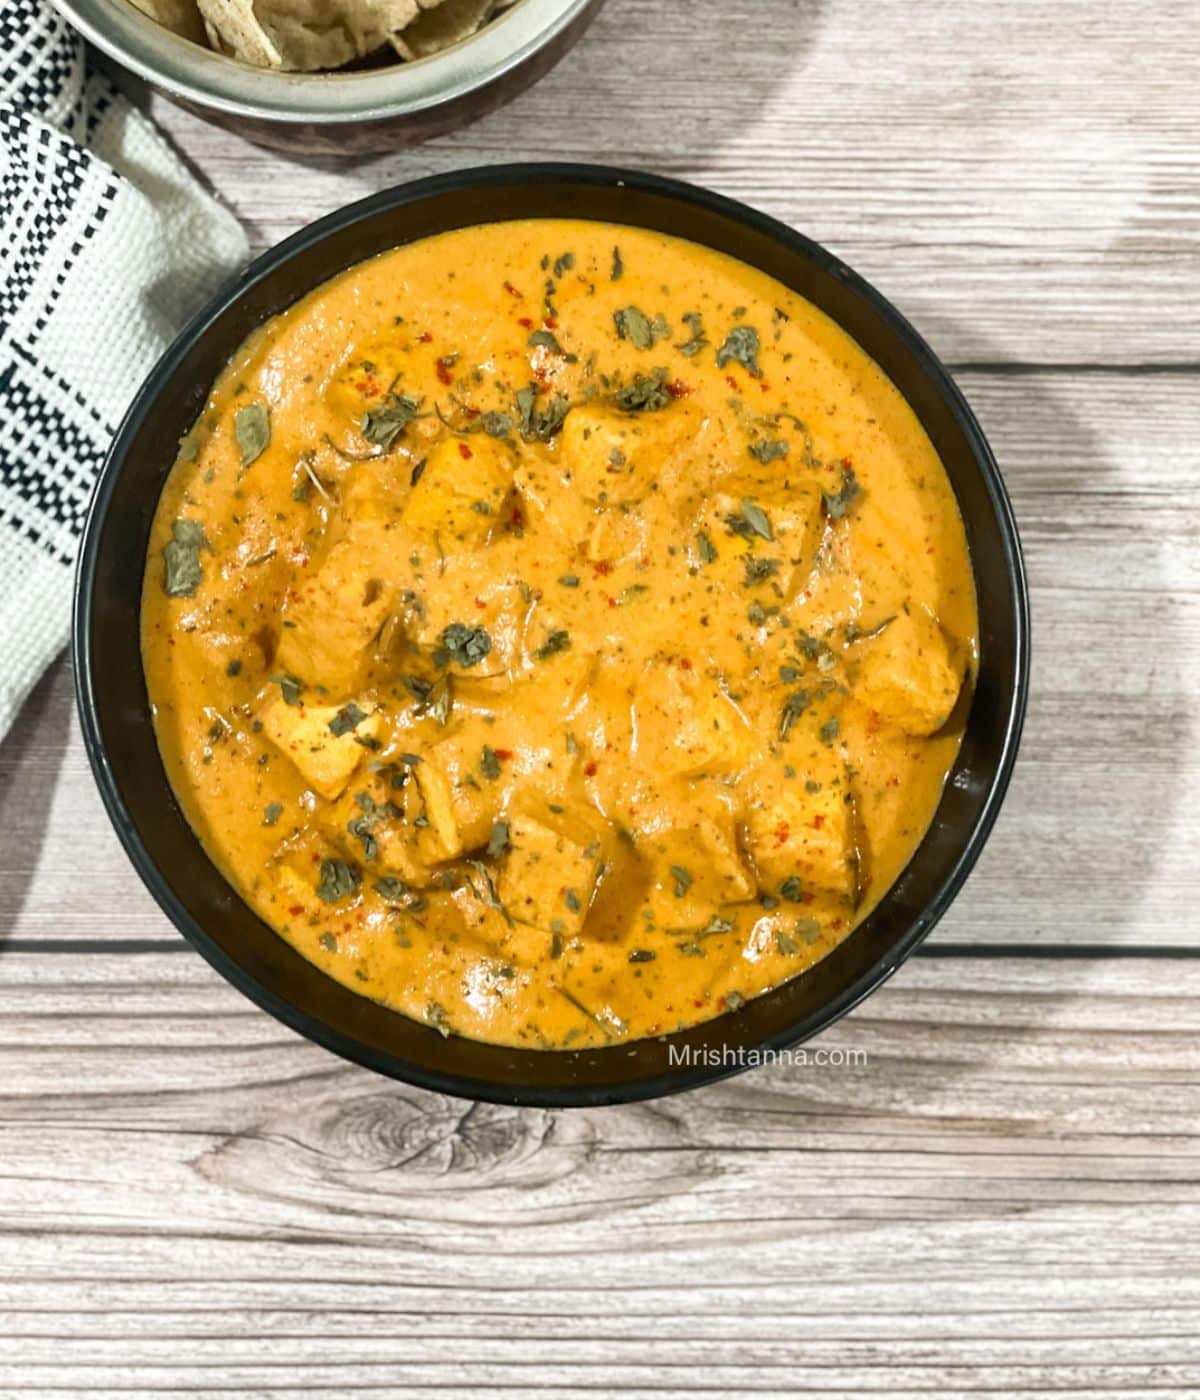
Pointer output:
x,y
335,76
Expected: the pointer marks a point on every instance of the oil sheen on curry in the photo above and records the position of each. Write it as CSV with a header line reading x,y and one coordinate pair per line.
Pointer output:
x,y
556,631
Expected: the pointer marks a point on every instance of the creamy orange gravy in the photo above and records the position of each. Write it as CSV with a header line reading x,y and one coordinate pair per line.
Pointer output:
x,y
558,657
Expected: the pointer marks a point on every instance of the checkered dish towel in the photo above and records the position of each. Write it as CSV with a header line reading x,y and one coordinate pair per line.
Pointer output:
x,y
107,245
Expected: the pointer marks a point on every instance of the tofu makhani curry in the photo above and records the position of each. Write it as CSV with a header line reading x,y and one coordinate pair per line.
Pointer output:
x,y
558,632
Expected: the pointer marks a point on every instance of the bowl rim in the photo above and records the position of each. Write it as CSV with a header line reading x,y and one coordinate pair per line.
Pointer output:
x,y
192,73
680,1077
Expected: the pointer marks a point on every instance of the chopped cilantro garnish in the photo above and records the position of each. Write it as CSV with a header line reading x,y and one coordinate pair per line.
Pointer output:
x,y
337,881
559,640
465,646
348,718
741,346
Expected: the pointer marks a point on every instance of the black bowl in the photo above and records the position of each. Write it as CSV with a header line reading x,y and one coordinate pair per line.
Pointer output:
x,y
116,714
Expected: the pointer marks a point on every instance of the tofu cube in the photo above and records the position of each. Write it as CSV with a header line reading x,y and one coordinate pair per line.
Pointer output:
x,y
906,674
370,825
793,833
616,535
695,870
456,803
293,895
485,929
326,760
331,625
711,738
690,722
794,517
548,495
360,382
549,873
462,490
597,453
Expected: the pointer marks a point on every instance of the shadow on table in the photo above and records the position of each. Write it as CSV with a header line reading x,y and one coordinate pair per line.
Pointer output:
x,y
1085,837
30,758
642,101
627,74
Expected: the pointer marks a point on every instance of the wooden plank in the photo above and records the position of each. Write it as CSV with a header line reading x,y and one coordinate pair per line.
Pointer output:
x,y
1099,842
1020,181
195,1201
994,1193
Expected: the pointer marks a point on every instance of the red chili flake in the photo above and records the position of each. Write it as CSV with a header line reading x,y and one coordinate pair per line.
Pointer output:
x,y
685,662
526,321
763,385
677,389
503,754
590,767
362,386
612,602
782,832
296,909
479,603
550,323
443,371
425,337
518,517
847,463
819,820
513,292
732,382
465,452
604,566
471,412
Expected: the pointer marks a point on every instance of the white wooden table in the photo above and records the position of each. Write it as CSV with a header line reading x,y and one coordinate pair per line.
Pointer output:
x,y
1006,1198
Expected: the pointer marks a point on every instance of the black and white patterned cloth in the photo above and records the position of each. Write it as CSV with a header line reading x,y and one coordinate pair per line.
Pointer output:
x,y
107,245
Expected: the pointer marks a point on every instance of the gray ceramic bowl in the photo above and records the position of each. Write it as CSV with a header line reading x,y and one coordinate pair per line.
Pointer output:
x,y
369,109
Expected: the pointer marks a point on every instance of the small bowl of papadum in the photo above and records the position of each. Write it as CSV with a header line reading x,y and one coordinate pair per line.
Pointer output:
x,y
335,76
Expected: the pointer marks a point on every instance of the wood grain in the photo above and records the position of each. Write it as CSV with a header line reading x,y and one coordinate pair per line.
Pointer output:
x,y
1003,1199
1020,180
194,1198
